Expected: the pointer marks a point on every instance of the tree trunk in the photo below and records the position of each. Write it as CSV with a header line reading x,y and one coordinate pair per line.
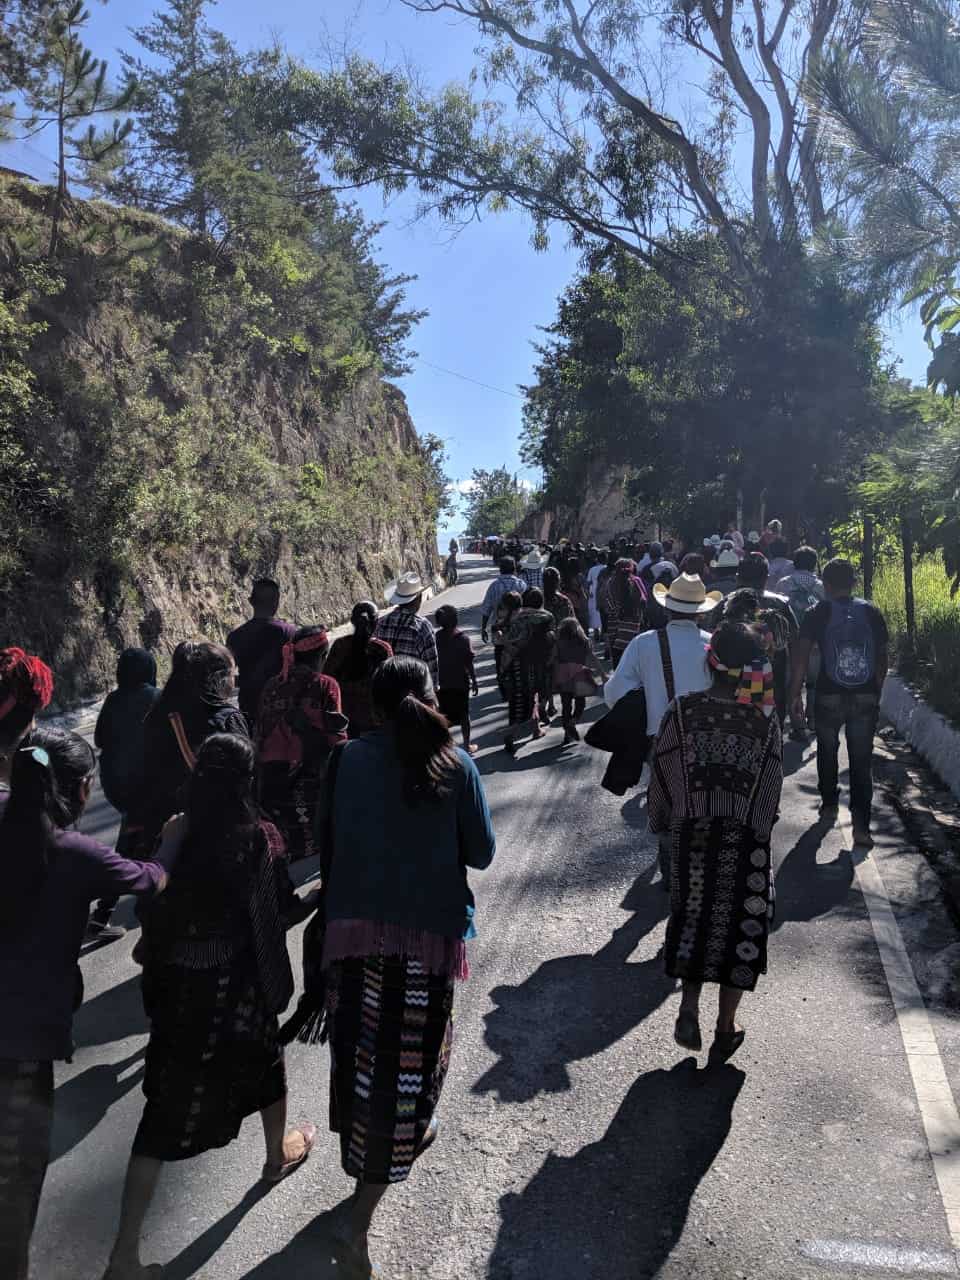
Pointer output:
x,y
868,556
60,198
906,538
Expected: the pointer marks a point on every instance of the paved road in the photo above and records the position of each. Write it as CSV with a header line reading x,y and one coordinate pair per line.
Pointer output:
x,y
578,1141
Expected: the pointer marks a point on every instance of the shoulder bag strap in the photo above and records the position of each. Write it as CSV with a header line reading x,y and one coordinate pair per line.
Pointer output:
x,y
667,661
176,724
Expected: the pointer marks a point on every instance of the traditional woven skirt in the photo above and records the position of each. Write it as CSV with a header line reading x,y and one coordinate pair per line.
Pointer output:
x,y
525,682
26,1120
292,806
391,1033
213,1058
720,903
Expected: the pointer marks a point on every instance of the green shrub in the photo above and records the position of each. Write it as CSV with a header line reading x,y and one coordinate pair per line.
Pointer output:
x,y
934,664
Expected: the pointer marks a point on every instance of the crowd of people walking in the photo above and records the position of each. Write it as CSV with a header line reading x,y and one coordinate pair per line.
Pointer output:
x,y
280,745
253,755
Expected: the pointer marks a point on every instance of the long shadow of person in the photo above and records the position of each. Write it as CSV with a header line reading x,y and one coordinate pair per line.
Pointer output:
x,y
575,1006
113,1015
617,1208
311,1252
81,1103
807,889
191,1260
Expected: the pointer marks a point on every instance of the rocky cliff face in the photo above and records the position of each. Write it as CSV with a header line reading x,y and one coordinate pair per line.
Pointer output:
x,y
600,515
167,451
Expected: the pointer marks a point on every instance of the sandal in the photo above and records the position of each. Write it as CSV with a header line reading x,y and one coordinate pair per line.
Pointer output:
x,y
430,1137
686,1032
274,1173
725,1045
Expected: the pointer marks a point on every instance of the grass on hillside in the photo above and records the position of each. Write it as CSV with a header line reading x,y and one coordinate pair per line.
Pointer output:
x,y
934,666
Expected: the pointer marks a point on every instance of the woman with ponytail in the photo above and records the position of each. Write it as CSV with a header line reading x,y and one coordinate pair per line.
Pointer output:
x,y
405,817
216,977
50,876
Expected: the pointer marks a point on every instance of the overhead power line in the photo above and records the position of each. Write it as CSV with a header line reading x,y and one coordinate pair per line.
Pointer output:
x,y
463,377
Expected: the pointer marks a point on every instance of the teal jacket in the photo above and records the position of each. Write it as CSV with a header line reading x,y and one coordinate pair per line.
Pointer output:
x,y
401,864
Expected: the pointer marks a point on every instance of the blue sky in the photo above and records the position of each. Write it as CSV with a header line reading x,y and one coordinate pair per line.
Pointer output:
x,y
486,290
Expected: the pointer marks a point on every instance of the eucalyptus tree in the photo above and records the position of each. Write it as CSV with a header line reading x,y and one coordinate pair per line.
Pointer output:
x,y
574,116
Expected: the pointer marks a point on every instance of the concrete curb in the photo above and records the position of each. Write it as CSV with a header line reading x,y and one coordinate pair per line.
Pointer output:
x,y
926,730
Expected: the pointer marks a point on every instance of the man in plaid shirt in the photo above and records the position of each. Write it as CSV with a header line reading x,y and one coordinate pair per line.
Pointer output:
x,y
498,588
409,635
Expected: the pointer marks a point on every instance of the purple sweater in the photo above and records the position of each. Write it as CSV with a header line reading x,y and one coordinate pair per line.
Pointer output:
x,y
38,964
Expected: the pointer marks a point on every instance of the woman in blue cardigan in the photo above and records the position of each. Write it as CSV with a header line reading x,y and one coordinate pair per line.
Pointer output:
x,y
405,818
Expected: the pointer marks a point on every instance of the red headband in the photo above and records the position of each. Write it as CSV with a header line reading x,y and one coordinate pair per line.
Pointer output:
x,y
307,645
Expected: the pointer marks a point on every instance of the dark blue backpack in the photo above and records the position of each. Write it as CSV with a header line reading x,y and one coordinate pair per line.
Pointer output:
x,y
849,648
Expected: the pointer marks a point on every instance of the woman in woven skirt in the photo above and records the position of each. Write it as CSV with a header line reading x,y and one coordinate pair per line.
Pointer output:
x,y
716,782
406,817
216,975
527,668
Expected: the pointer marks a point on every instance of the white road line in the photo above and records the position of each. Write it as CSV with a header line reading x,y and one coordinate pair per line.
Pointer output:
x,y
858,1254
938,1110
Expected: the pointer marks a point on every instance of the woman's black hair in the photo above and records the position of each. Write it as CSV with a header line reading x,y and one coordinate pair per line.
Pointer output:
x,y
447,617
735,645
513,600
741,605
364,608
222,816
200,674
46,794
551,576
135,668
533,598
403,695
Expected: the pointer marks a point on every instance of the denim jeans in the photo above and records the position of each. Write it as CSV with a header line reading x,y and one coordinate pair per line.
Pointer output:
x,y
857,713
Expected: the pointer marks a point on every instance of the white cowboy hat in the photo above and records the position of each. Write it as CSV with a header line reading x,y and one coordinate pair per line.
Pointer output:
x,y
715,539
406,590
686,594
727,560
532,560
753,536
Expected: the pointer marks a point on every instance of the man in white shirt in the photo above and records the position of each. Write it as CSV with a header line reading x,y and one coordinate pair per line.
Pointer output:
x,y
641,666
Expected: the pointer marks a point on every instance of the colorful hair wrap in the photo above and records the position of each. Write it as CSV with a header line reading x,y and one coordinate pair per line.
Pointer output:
x,y
755,685
25,681
309,644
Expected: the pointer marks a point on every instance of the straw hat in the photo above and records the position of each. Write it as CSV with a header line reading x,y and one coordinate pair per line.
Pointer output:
x,y
409,587
533,560
728,559
686,594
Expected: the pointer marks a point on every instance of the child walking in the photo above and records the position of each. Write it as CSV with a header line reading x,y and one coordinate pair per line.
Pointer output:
x,y
574,675
458,676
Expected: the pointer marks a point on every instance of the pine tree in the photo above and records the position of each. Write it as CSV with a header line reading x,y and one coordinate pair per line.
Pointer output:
x,y
65,88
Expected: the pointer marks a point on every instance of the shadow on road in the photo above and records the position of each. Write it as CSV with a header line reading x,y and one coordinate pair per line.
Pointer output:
x,y
618,1206
191,1260
309,1253
807,889
113,1015
81,1103
575,1006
